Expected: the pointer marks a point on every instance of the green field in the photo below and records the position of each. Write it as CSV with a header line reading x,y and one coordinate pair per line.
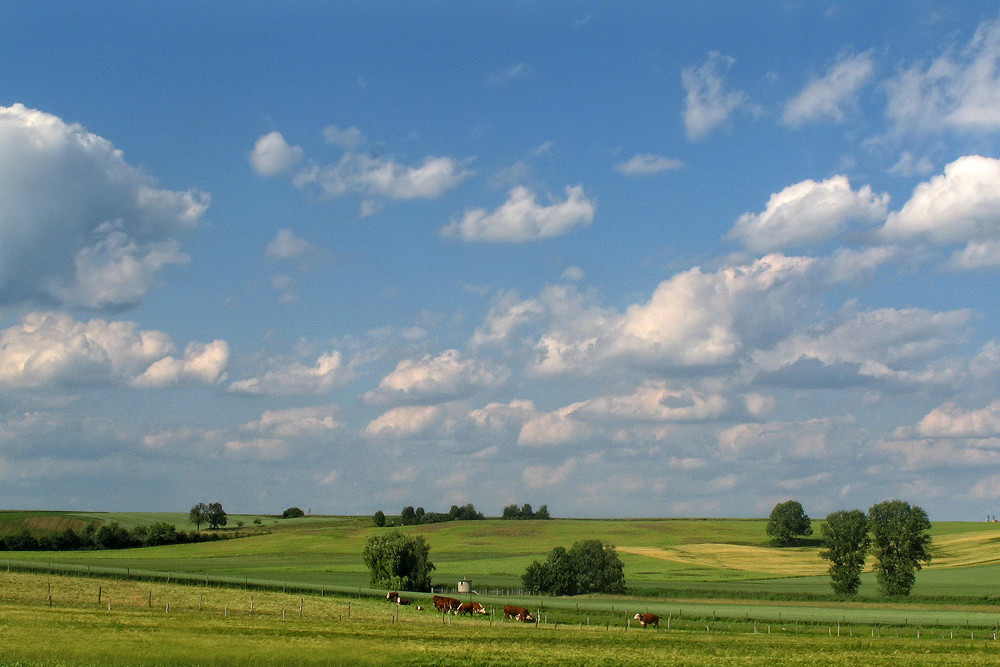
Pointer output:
x,y
725,593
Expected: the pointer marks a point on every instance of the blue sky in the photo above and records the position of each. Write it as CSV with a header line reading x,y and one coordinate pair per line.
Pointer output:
x,y
622,259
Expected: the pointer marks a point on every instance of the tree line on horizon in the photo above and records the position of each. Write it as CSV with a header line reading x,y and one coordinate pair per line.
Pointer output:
x,y
894,531
109,536
410,516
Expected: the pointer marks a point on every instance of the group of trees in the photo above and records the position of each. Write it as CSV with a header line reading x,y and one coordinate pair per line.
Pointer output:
x,y
412,517
211,514
893,531
525,512
588,567
107,536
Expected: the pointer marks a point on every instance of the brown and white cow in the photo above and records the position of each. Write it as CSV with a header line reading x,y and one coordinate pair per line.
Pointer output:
x,y
392,595
403,601
520,613
648,619
445,604
470,608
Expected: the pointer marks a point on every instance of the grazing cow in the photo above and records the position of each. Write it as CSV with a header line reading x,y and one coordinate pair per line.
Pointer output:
x,y
400,600
445,604
392,595
520,613
648,619
470,608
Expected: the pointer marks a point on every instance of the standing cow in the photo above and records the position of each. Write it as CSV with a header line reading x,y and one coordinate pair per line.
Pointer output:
x,y
392,596
648,619
470,608
445,604
520,613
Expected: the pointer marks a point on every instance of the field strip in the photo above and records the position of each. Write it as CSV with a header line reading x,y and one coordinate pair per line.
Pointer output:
x,y
790,562
964,549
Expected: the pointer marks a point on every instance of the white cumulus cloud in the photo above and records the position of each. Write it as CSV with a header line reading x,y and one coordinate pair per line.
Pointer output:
x,y
78,224
272,155
446,376
286,378
521,218
808,212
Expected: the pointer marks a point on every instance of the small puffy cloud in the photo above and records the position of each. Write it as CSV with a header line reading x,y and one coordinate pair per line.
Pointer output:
x,y
350,137
272,155
446,376
808,212
286,378
287,246
977,255
317,420
959,206
383,177
959,91
405,421
657,401
542,476
522,219
708,104
826,97
560,427
647,165
53,349
502,417
201,362
104,239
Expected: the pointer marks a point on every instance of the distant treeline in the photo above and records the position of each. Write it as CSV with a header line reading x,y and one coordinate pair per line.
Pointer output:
x,y
108,536
412,517
525,512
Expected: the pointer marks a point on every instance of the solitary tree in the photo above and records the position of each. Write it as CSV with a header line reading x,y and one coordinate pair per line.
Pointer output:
x,y
216,516
786,521
293,513
198,515
901,544
408,516
846,543
398,561
379,518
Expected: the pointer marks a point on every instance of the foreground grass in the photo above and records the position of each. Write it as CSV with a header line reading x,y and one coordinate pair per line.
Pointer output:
x,y
110,622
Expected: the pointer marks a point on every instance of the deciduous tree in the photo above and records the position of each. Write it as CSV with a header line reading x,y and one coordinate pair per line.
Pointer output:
x,y
786,521
845,545
398,561
900,544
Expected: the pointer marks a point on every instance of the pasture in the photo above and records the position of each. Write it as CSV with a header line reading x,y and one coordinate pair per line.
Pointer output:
x,y
102,621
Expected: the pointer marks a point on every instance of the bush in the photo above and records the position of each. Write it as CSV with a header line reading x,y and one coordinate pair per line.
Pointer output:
x,y
292,513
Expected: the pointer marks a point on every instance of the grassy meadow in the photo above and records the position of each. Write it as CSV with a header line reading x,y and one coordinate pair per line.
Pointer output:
x,y
725,596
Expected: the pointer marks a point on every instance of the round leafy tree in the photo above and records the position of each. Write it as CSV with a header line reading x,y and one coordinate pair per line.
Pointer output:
x,y
786,521
845,545
398,561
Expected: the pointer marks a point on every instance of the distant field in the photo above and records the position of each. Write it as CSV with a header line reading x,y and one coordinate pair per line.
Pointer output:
x,y
675,557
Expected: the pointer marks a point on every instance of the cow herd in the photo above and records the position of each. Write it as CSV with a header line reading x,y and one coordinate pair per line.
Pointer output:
x,y
447,605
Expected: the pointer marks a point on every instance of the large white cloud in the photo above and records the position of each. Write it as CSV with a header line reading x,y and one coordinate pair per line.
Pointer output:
x,y
826,97
808,212
78,224
708,104
446,376
959,206
522,219
959,91
951,421
54,349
